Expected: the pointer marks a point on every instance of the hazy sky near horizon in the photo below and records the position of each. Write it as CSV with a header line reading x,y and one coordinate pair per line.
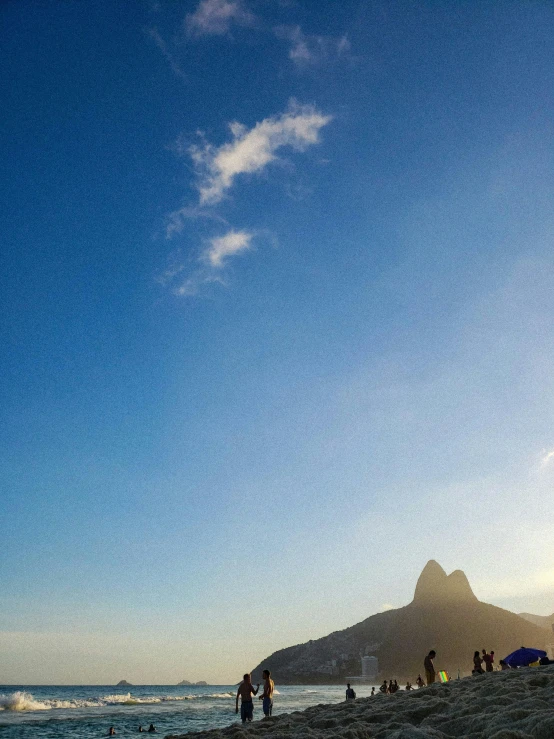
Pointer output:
x,y
277,323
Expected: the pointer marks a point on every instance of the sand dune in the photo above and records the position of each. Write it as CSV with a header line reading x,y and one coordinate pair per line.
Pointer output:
x,y
516,704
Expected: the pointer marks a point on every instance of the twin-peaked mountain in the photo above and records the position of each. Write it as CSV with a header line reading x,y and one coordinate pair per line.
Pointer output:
x,y
444,615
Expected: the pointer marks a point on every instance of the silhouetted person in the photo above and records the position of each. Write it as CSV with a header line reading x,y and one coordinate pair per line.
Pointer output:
x,y
477,664
409,685
140,729
504,665
246,690
350,693
111,732
152,728
488,659
419,682
373,690
430,667
384,687
267,696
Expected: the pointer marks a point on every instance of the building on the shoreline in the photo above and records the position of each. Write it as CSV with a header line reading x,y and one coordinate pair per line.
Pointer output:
x,y
370,667
370,670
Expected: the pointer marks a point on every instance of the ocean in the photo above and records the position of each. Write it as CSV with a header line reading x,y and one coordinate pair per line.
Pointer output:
x,y
84,712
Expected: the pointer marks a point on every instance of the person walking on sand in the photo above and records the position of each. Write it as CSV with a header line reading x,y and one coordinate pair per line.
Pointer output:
x,y
267,696
430,667
350,692
246,690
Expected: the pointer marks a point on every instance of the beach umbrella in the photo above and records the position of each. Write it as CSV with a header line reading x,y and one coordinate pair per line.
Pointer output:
x,y
524,656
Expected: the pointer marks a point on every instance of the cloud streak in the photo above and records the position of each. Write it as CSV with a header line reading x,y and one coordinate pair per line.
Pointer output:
x,y
215,17
547,459
162,46
223,247
251,150
310,50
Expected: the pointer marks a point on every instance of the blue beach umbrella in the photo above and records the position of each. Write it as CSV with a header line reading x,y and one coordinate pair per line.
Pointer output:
x,y
524,656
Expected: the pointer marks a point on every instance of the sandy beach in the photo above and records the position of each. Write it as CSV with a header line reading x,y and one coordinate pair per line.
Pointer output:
x,y
514,704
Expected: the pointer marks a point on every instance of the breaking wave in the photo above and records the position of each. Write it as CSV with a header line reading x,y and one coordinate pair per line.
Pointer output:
x,y
21,701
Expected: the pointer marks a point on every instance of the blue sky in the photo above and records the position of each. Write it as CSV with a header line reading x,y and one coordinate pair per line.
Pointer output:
x,y
277,323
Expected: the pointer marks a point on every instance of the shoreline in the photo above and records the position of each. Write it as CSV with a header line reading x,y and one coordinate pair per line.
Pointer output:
x,y
514,704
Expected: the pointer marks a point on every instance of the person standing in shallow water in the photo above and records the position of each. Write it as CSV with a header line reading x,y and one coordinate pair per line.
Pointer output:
x,y
430,667
267,696
246,690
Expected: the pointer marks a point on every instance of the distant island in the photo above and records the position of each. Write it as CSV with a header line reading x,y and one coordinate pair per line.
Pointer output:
x,y
124,684
187,682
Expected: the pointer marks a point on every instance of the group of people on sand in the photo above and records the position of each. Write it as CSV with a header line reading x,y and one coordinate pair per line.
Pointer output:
x,y
486,658
389,688
246,690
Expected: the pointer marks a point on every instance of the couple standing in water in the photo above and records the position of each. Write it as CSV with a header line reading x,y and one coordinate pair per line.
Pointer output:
x,y
246,690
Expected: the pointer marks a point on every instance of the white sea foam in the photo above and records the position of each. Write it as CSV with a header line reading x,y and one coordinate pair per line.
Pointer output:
x,y
205,695
21,701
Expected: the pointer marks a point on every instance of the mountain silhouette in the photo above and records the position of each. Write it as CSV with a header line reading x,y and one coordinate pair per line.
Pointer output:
x,y
444,615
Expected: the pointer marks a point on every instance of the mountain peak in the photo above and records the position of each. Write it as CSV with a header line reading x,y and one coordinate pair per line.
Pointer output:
x,y
434,585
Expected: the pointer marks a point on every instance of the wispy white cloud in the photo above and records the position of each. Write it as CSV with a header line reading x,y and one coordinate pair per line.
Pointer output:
x,y
195,282
215,17
175,221
251,150
222,247
191,277
309,49
547,458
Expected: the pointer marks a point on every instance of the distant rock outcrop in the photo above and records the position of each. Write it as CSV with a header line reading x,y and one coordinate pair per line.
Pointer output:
x,y
124,684
201,682
547,622
184,682
444,615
